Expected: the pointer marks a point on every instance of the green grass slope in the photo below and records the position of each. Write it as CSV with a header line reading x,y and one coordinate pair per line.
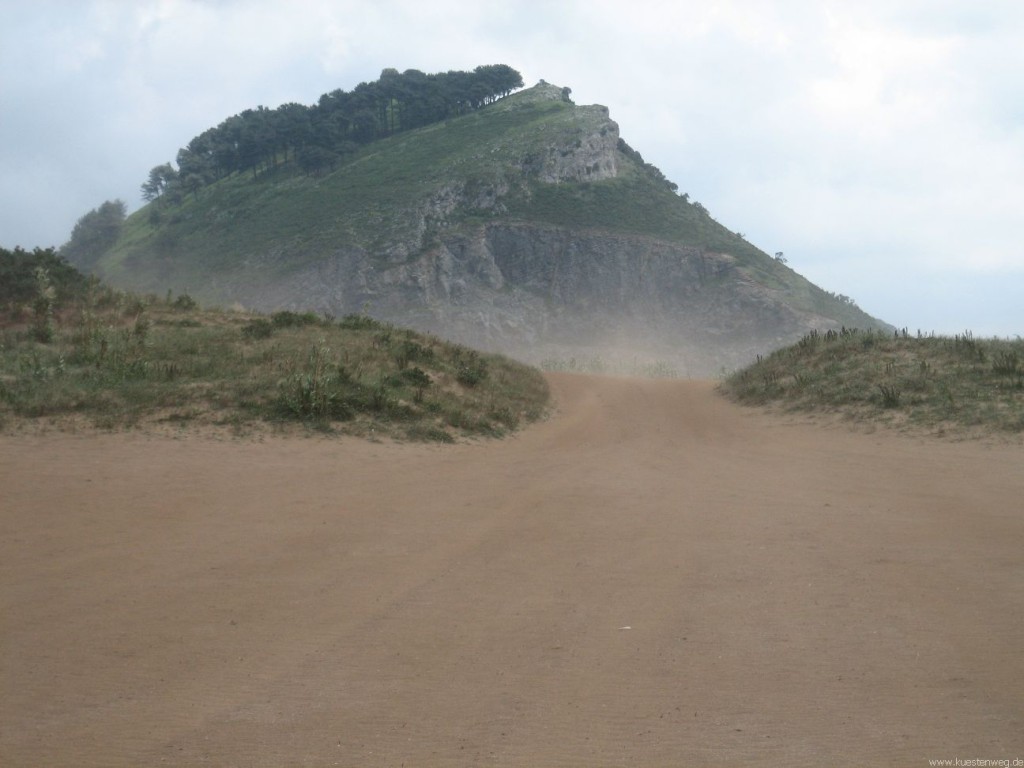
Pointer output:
x,y
940,384
114,360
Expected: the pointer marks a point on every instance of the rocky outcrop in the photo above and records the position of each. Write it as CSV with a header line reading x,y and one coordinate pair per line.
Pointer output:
x,y
591,156
539,292
590,153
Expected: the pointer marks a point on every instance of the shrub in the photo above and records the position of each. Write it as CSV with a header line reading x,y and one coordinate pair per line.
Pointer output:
x,y
409,351
260,328
359,323
185,302
42,307
890,395
315,393
471,369
287,319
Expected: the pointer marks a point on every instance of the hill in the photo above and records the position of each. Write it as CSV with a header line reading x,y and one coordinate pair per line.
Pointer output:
x,y
957,385
76,352
525,225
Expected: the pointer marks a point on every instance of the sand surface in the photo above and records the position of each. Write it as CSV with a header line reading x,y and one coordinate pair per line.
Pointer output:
x,y
654,576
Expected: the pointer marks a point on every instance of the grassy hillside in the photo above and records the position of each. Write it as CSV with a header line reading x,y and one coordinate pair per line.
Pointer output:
x,y
936,383
115,360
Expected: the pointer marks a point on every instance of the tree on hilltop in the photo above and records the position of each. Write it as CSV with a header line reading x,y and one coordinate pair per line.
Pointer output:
x,y
161,177
319,136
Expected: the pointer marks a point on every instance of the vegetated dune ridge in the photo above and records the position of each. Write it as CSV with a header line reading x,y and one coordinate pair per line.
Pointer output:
x,y
654,576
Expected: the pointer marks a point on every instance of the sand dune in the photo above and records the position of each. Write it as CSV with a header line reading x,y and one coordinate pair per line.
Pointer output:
x,y
654,576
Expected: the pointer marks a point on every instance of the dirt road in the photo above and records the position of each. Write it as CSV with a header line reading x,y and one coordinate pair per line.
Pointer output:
x,y
654,576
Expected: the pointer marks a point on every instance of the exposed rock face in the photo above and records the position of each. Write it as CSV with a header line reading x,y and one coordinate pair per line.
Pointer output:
x,y
537,292
592,157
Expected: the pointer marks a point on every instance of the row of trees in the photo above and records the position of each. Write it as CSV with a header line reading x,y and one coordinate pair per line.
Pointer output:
x,y
318,137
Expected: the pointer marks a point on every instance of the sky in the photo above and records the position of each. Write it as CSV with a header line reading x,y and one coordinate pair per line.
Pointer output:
x,y
879,144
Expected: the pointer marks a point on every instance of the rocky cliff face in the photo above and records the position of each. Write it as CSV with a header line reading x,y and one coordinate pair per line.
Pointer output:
x,y
545,292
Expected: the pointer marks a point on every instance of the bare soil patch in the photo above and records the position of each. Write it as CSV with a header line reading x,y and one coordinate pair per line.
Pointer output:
x,y
654,576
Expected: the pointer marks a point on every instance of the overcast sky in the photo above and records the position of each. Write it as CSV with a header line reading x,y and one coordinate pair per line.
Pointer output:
x,y
878,143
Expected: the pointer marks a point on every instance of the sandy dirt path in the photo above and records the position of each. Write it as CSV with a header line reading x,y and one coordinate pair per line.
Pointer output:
x,y
654,576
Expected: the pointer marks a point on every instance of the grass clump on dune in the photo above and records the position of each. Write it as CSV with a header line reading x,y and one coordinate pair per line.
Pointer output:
x,y
112,360
938,383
